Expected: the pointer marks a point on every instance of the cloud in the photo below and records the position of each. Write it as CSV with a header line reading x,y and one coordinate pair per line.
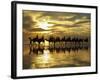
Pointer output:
x,y
59,16
37,29
28,22
63,22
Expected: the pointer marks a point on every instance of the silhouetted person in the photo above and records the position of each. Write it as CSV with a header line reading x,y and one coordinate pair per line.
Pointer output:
x,y
30,39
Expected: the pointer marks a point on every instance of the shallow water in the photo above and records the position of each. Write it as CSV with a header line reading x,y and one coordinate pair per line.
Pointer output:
x,y
55,57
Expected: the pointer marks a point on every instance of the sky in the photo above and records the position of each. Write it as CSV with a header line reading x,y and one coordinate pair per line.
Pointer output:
x,y
47,23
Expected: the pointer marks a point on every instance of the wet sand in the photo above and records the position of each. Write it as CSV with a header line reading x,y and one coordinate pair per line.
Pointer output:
x,y
48,59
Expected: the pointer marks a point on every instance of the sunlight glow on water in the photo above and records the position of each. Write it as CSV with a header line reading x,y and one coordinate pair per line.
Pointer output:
x,y
43,60
54,59
46,55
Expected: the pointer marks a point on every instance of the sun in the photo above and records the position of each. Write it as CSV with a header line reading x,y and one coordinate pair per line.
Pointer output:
x,y
44,25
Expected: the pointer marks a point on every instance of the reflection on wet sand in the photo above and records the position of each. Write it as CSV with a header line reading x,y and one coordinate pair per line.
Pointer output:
x,y
48,56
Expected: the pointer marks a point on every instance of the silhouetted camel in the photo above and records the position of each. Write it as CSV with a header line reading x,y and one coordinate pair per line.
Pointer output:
x,y
40,40
86,40
51,39
63,39
68,39
35,39
57,39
